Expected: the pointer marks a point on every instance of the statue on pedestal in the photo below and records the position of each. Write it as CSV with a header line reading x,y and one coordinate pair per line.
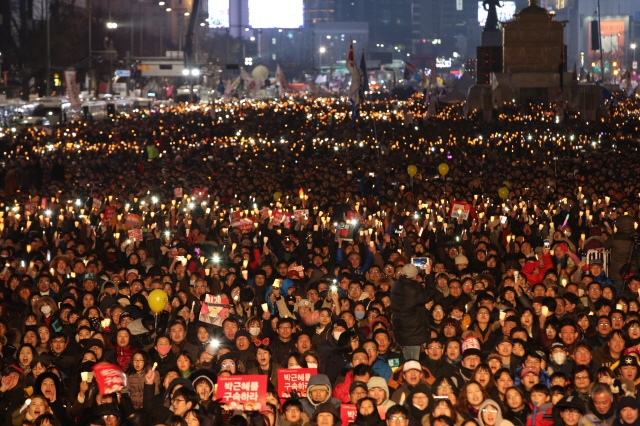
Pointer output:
x,y
492,18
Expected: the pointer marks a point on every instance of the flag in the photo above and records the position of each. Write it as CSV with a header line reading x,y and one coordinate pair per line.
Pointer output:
x,y
409,70
494,81
252,85
423,83
282,81
363,74
354,90
72,88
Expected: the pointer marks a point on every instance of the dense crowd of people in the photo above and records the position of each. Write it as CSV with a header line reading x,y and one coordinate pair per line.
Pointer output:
x,y
434,269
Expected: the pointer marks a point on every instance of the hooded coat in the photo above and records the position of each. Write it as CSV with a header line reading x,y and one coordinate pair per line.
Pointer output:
x,y
379,382
416,414
499,420
310,406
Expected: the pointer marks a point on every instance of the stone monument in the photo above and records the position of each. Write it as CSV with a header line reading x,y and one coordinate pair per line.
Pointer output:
x,y
533,66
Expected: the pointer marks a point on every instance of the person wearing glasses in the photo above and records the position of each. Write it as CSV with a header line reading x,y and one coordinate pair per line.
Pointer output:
x,y
490,414
183,400
292,414
397,416
571,410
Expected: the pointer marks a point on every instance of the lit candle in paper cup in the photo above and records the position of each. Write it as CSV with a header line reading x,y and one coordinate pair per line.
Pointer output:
x,y
265,307
544,311
85,376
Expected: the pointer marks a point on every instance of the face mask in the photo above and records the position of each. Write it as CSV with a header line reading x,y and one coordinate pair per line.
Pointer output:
x,y
559,358
163,349
45,309
312,365
336,334
254,331
359,315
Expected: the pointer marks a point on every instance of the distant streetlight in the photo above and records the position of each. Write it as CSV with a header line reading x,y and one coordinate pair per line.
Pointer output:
x,y
112,25
633,47
323,49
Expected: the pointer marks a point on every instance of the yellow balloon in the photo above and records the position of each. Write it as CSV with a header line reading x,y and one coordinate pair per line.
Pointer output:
x,y
443,168
277,195
157,300
507,184
503,192
412,170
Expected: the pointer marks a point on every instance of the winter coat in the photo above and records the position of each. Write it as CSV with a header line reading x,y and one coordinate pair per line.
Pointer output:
x,y
341,390
135,383
410,317
603,357
540,416
332,361
620,244
379,382
372,419
308,404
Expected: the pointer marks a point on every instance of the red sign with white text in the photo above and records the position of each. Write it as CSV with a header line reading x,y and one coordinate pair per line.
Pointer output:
x,y
243,392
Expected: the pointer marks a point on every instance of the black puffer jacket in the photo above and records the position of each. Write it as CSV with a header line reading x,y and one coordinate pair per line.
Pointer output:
x,y
410,317
620,245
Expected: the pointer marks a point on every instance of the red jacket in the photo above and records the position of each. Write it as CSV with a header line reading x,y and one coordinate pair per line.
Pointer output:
x,y
543,415
341,391
529,269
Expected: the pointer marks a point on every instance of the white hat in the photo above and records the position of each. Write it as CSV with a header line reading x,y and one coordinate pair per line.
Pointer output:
x,y
409,270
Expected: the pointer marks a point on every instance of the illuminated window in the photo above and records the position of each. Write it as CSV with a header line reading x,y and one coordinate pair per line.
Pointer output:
x,y
561,4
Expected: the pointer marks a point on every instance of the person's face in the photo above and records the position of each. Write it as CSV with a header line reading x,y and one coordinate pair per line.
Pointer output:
x,y
514,399
582,356
435,350
49,389
602,402
582,380
378,394
442,409
570,416
617,322
203,335
490,415
203,389
455,289
629,415
483,377
285,330
122,339
366,407
616,344
634,331
325,419
183,363
594,292
420,400
568,335
319,394
629,372
325,318
539,398
242,343
355,291
25,356
38,369
372,352
292,414
504,382
138,362
192,419
313,296
263,357
37,407
58,345
180,405
168,378
412,377
471,361
303,344
177,333
31,338
453,351
474,395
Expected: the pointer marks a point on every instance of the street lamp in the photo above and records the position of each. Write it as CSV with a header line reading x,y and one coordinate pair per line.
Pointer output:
x,y
112,25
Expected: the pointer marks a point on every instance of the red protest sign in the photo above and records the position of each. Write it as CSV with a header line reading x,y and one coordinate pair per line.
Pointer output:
x,y
43,203
200,192
297,269
264,213
30,208
110,377
133,220
109,214
294,379
300,214
135,234
348,413
235,218
245,225
243,392
460,209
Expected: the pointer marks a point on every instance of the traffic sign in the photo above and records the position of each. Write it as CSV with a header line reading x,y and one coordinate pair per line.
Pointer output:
x,y
123,73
